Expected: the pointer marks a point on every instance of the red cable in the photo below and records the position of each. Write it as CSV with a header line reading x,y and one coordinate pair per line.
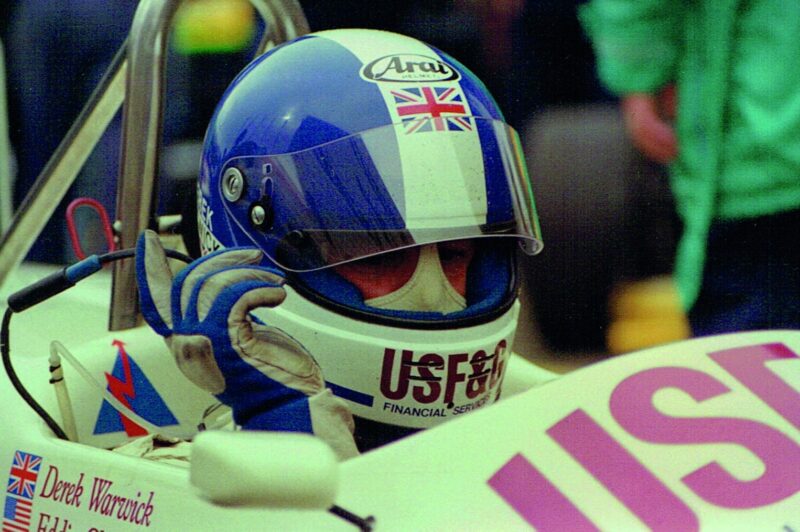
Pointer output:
x,y
104,220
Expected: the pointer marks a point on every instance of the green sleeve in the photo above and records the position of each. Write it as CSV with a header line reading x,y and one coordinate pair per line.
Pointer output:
x,y
636,42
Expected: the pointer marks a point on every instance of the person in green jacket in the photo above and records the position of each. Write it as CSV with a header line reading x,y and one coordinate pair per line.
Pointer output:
x,y
733,148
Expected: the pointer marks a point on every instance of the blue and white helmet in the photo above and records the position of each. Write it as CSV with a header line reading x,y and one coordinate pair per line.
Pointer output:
x,y
344,144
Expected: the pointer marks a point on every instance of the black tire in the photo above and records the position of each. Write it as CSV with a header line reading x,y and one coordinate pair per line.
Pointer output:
x,y
599,203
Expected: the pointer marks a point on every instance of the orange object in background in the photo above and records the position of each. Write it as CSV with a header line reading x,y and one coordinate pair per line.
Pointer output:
x,y
213,26
645,313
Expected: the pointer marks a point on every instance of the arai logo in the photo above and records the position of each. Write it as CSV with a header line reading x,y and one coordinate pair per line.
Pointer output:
x,y
408,67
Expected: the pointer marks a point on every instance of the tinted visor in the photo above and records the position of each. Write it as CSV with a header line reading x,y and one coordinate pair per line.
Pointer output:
x,y
419,182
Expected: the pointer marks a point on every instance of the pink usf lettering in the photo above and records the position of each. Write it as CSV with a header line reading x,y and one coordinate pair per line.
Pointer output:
x,y
747,364
632,407
621,473
542,505
535,498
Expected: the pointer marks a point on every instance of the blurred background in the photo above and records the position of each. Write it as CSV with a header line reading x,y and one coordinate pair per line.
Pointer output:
x,y
601,287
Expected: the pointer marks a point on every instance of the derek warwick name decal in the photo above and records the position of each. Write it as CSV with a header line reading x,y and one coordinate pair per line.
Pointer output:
x,y
103,498
29,481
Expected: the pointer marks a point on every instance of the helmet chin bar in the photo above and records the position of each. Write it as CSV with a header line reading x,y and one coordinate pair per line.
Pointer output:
x,y
399,376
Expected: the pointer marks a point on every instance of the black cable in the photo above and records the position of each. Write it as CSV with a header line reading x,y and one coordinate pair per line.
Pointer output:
x,y
364,524
5,348
67,277
112,256
42,290
57,283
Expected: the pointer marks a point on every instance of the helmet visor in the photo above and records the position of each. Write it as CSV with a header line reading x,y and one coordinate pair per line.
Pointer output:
x,y
418,182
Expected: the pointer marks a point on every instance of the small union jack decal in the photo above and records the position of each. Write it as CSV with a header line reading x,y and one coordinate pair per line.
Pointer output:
x,y
432,109
19,494
23,475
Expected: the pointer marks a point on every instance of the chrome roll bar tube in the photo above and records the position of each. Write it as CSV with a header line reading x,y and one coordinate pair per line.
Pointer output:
x,y
135,77
142,127
63,166
6,189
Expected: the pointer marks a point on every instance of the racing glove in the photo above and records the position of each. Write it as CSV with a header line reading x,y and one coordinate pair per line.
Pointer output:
x,y
267,378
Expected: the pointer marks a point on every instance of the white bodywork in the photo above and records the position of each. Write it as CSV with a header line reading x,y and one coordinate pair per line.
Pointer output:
x,y
699,434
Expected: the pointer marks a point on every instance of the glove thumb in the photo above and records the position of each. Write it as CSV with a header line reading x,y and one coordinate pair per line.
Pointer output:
x,y
154,278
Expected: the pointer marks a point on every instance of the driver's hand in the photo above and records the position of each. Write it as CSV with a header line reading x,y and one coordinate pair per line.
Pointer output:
x,y
270,381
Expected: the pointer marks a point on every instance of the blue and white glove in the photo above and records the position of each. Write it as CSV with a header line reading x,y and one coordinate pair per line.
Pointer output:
x,y
267,378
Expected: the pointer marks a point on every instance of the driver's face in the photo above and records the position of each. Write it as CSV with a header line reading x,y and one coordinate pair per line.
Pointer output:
x,y
383,274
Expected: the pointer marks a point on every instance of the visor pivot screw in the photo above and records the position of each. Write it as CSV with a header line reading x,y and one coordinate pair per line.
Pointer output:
x,y
258,215
262,215
232,184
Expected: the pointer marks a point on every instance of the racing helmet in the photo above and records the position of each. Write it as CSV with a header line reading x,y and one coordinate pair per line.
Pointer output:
x,y
345,145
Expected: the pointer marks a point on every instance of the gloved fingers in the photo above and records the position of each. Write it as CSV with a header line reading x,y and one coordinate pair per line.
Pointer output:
x,y
154,279
194,355
277,355
188,278
332,421
216,293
